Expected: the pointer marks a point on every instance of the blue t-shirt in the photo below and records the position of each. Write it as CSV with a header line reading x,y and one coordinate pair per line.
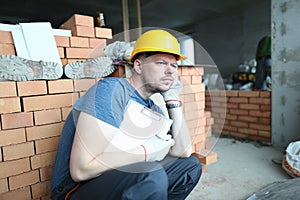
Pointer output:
x,y
106,100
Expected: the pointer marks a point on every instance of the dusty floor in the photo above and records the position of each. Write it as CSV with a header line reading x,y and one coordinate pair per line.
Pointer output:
x,y
242,169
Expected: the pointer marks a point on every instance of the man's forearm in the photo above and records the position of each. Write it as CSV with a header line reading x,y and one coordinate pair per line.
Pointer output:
x,y
180,133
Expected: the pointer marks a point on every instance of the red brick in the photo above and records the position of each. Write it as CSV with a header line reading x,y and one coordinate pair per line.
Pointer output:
x,y
191,70
47,102
17,151
193,88
264,133
247,119
209,121
3,186
200,96
6,37
47,116
190,107
82,53
79,41
43,160
230,128
64,61
265,94
239,124
260,127
199,146
188,98
23,180
198,138
65,112
61,52
193,124
232,93
62,41
247,131
99,52
226,122
263,120
258,138
265,107
83,31
238,100
10,105
7,49
13,136
186,80
191,115
207,157
8,88
46,145
40,189
200,130
103,33
232,105
248,93
77,19
28,88
249,106
97,42
46,173
209,144
260,100
198,122
44,131
207,113
238,135
11,168
17,120
83,84
259,113
22,193
60,86
238,112
196,79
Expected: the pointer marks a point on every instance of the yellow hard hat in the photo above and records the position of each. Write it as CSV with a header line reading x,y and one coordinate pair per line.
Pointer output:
x,y
157,41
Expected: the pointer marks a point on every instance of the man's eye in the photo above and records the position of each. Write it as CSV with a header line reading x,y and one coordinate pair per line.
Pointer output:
x,y
161,63
174,66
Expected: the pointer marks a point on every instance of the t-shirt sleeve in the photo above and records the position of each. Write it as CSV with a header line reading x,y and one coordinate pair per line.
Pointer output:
x,y
106,100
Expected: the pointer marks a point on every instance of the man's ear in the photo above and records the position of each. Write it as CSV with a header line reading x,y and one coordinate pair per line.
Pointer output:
x,y
137,66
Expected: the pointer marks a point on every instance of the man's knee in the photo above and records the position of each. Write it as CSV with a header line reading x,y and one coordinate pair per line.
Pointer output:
x,y
158,180
196,167
150,185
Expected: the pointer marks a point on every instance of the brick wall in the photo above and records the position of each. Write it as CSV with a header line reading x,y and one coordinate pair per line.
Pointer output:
x,y
244,114
32,113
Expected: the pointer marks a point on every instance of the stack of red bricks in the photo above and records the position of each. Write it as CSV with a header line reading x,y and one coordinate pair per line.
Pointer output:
x,y
198,120
244,114
32,113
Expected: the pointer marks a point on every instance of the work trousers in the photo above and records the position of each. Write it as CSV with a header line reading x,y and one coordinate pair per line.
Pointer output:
x,y
170,179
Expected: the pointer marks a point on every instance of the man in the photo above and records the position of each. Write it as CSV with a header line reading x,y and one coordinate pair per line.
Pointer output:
x,y
263,67
93,160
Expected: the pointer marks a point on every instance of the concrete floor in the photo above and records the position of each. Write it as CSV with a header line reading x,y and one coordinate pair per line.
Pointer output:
x,y
242,169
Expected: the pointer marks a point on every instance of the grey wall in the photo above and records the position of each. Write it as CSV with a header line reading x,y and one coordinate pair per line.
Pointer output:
x,y
230,40
285,71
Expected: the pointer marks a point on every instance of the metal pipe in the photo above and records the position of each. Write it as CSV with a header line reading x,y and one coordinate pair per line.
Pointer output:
x,y
139,17
125,20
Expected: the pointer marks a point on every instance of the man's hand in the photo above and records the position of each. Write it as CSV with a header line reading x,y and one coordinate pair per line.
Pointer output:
x,y
173,92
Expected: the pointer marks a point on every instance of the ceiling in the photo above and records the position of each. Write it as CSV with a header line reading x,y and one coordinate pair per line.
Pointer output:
x,y
171,14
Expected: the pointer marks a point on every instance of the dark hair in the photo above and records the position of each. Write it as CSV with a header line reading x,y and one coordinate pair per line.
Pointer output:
x,y
151,53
